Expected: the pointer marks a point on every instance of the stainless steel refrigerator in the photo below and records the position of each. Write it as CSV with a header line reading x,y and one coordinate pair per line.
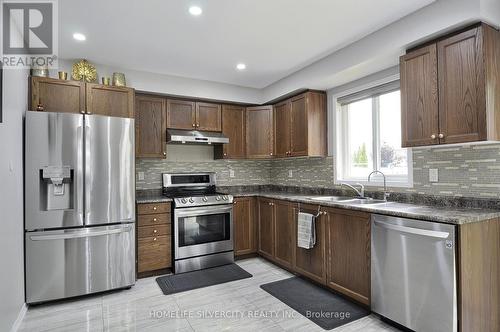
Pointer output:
x,y
79,204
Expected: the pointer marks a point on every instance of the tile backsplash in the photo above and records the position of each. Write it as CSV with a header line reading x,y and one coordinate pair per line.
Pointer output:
x,y
464,170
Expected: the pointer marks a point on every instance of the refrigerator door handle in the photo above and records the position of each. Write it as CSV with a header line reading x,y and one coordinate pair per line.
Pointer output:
x,y
81,234
79,174
412,230
87,176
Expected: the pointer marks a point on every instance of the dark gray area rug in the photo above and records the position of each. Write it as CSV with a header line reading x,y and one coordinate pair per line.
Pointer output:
x,y
177,283
319,305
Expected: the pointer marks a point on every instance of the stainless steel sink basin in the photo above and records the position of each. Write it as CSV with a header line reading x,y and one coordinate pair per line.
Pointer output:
x,y
333,198
367,201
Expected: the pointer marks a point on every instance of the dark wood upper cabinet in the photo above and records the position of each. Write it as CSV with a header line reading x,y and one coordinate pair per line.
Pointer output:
x,y
110,100
419,97
282,122
151,126
233,127
348,253
259,132
181,114
450,91
284,233
208,117
266,228
54,95
312,262
245,237
462,114
300,126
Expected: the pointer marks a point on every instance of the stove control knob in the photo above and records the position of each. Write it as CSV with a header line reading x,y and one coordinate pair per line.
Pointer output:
x,y
204,199
183,201
191,200
217,198
224,197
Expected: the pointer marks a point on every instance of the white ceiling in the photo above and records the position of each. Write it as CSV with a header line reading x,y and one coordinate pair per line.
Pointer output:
x,y
273,37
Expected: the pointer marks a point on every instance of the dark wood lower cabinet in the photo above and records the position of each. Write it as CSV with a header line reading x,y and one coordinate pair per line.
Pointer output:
x,y
312,262
154,244
348,252
284,233
266,227
245,228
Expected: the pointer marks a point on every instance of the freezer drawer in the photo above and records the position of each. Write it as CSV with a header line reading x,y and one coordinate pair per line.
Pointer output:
x,y
414,273
66,263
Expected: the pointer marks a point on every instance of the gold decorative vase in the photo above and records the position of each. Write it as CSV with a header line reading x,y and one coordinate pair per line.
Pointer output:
x,y
119,79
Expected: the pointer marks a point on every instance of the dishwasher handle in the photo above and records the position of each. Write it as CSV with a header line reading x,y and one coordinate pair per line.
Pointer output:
x,y
412,230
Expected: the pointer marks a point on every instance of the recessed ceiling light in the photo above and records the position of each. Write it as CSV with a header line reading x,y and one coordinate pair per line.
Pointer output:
x,y
195,10
79,36
241,66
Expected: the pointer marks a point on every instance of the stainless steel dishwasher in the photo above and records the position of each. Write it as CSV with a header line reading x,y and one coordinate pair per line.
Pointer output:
x,y
414,273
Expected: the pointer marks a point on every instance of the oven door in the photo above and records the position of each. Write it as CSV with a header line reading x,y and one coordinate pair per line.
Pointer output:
x,y
203,230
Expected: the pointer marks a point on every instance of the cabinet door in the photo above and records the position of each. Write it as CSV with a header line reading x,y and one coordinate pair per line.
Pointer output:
x,y
244,228
348,266
181,114
312,262
462,112
282,129
283,233
233,126
110,100
298,131
151,126
55,95
259,133
266,227
208,117
419,97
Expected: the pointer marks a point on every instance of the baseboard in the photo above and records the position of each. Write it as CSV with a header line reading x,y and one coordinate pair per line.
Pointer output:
x,y
19,318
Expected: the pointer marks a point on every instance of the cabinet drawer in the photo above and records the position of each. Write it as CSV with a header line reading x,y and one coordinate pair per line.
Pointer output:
x,y
154,253
151,208
153,219
152,231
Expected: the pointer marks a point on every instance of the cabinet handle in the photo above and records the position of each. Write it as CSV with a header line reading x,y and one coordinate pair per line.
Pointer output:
x,y
433,136
225,154
441,135
197,125
271,154
164,153
154,219
155,231
154,208
194,125
154,239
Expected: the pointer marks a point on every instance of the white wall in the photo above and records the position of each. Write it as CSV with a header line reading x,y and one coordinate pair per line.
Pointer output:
x,y
381,49
15,95
175,85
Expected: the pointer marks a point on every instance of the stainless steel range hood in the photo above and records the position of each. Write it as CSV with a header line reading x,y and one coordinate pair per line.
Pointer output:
x,y
176,136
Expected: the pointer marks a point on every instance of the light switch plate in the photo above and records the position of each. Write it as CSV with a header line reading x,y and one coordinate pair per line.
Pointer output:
x,y
433,175
140,176
231,173
290,173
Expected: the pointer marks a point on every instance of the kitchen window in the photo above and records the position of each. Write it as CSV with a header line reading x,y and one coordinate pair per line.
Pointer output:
x,y
369,137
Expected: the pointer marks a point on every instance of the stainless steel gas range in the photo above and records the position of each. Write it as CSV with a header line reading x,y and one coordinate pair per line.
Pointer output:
x,y
202,219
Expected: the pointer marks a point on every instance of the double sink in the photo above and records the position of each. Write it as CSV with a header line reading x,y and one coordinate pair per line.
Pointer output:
x,y
349,200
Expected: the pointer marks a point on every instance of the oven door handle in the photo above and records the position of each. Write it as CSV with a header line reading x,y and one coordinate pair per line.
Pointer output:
x,y
203,210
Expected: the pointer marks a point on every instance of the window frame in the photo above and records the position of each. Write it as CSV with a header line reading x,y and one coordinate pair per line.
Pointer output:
x,y
341,143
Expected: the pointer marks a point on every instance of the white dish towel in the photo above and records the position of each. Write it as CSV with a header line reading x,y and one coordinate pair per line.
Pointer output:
x,y
306,230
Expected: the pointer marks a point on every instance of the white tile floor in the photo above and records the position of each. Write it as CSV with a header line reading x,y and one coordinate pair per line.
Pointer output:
x,y
145,308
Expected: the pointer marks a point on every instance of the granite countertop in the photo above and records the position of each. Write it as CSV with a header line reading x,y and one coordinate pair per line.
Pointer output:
x,y
456,216
449,215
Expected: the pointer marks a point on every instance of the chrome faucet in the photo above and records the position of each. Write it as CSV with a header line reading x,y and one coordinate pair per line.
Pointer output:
x,y
386,194
360,192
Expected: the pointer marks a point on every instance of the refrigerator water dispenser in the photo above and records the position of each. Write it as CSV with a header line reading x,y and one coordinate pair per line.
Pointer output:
x,y
57,188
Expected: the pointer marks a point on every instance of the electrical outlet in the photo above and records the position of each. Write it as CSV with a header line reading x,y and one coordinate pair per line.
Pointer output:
x,y
140,176
433,175
290,173
231,173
